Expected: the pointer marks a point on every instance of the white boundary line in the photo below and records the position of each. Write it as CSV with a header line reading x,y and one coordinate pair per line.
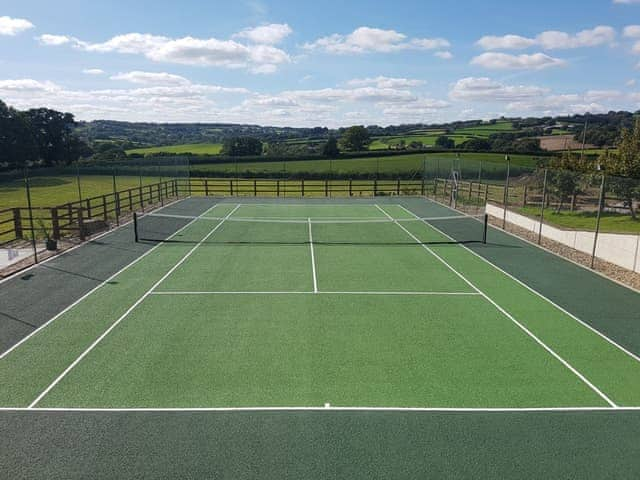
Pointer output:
x,y
532,290
91,240
510,317
325,409
186,293
65,310
125,314
313,259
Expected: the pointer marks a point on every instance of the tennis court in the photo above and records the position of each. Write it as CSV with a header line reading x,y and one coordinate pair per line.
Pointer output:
x,y
309,305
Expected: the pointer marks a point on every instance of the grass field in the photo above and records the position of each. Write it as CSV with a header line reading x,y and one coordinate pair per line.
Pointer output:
x,y
195,148
211,320
609,222
401,165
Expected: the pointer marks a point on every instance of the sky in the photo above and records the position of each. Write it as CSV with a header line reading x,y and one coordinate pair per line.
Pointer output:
x,y
329,63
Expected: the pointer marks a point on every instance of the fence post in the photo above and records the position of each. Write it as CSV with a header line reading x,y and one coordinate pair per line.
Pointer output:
x,y
595,236
350,187
231,187
206,187
141,198
524,196
435,187
486,193
422,192
326,188
542,205
55,224
375,187
255,188
104,207
81,224
303,187
117,207
17,222
398,188
130,201
506,194
277,188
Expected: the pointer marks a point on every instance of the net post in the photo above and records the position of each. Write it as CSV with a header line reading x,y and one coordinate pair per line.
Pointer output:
x,y
485,228
135,227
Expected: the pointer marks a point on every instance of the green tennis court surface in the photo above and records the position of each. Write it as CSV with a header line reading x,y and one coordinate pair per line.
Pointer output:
x,y
315,306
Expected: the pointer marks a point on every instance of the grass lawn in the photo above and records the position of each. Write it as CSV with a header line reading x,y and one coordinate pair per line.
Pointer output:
x,y
58,190
610,222
195,148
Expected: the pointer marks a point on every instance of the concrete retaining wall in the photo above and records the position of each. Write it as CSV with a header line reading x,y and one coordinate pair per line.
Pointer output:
x,y
620,249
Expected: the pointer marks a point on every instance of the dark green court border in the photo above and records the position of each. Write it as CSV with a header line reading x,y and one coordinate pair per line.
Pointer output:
x,y
32,297
319,445
322,444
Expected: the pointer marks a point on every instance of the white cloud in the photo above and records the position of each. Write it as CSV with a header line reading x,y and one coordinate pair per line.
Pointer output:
x,y
551,40
13,26
632,31
54,40
386,82
93,71
505,61
444,54
506,42
267,34
367,40
626,2
186,51
602,95
150,78
486,90
631,83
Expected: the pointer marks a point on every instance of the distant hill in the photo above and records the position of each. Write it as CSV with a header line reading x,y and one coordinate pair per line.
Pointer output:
x,y
602,131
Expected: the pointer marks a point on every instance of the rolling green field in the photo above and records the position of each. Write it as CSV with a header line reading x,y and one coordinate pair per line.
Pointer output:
x,y
195,148
609,222
402,165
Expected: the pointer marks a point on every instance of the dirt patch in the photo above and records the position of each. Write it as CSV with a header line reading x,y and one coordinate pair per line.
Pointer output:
x,y
556,143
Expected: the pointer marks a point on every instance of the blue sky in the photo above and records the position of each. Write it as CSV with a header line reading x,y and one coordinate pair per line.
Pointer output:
x,y
329,63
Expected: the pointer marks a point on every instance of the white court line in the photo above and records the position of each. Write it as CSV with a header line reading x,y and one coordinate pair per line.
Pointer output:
x,y
125,314
510,317
65,310
325,409
186,293
313,259
531,289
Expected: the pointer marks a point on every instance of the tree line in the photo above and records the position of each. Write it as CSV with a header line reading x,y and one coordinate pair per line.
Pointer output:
x,y
39,136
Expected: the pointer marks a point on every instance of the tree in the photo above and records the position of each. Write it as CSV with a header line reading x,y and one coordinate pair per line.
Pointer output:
x,y
17,146
566,177
445,142
330,149
355,139
54,137
623,168
242,147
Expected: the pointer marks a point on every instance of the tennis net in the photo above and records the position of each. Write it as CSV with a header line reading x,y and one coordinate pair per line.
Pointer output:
x,y
168,228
